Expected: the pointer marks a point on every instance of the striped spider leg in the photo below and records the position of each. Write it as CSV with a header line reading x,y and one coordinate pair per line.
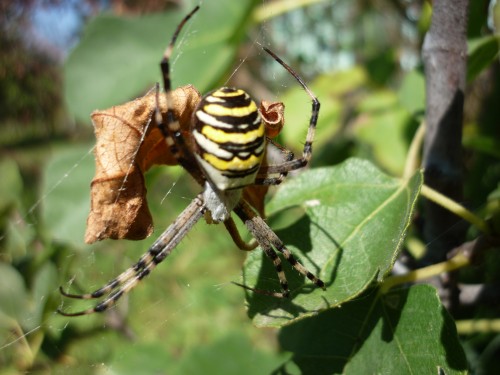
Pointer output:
x,y
160,249
229,141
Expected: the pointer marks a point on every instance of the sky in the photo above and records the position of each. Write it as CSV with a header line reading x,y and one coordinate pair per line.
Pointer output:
x,y
58,26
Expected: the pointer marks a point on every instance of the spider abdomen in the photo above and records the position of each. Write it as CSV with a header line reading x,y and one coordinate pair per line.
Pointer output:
x,y
230,139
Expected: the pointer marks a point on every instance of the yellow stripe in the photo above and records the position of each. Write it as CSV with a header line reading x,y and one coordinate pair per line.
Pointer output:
x,y
219,110
222,94
220,136
233,164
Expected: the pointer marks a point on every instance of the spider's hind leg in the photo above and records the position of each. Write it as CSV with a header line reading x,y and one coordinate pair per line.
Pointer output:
x,y
267,239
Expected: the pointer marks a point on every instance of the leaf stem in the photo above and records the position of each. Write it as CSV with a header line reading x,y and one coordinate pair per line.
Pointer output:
x,y
276,8
455,208
468,327
413,159
458,261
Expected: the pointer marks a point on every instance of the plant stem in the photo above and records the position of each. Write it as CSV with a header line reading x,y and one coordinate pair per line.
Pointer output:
x,y
454,207
468,327
276,8
412,159
458,261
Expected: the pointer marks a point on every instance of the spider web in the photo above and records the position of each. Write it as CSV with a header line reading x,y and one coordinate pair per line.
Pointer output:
x,y
97,264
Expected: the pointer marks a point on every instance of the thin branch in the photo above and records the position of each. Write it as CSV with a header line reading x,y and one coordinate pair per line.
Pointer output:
x,y
458,261
454,207
469,327
277,8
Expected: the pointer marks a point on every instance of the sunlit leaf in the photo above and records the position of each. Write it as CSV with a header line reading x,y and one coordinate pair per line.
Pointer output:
x,y
385,127
329,89
354,224
412,92
118,58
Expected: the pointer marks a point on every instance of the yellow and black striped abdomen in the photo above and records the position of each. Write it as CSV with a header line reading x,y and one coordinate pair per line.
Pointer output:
x,y
230,138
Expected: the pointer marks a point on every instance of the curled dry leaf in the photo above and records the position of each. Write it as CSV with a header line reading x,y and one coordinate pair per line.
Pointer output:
x,y
128,144
273,115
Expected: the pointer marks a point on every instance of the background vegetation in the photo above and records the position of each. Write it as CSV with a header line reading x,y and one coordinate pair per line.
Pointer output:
x,y
357,214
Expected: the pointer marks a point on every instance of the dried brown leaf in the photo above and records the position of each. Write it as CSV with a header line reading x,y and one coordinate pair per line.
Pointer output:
x,y
273,115
128,143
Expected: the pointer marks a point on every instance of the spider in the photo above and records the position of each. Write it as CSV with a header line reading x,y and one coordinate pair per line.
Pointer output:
x,y
229,144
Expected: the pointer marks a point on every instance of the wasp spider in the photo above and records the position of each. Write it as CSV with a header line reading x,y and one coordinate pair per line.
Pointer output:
x,y
229,141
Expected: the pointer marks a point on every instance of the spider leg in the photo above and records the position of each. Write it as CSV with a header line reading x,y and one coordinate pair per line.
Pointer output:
x,y
160,249
274,151
307,151
169,124
266,237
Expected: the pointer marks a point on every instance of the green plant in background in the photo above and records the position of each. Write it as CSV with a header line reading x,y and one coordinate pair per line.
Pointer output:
x,y
345,218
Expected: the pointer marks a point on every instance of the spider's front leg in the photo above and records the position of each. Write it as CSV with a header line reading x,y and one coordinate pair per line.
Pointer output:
x,y
301,162
160,249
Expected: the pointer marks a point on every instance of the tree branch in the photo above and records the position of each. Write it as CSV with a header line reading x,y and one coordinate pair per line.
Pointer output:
x,y
444,54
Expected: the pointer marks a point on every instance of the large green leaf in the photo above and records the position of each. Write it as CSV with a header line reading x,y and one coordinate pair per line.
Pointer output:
x,y
406,331
118,58
354,223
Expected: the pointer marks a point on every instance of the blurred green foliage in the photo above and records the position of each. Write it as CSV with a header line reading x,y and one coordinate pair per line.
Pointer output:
x,y
345,219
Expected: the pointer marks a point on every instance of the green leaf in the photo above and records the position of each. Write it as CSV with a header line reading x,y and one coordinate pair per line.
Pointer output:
x,y
14,234
146,358
66,193
384,127
45,282
298,108
482,52
412,92
406,331
118,58
13,296
11,184
234,354
354,224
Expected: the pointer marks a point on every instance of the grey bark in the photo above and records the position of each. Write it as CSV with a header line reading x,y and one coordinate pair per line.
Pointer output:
x,y
444,54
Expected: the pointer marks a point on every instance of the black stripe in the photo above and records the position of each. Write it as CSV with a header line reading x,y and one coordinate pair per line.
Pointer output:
x,y
228,102
143,273
237,174
235,121
241,147
115,297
